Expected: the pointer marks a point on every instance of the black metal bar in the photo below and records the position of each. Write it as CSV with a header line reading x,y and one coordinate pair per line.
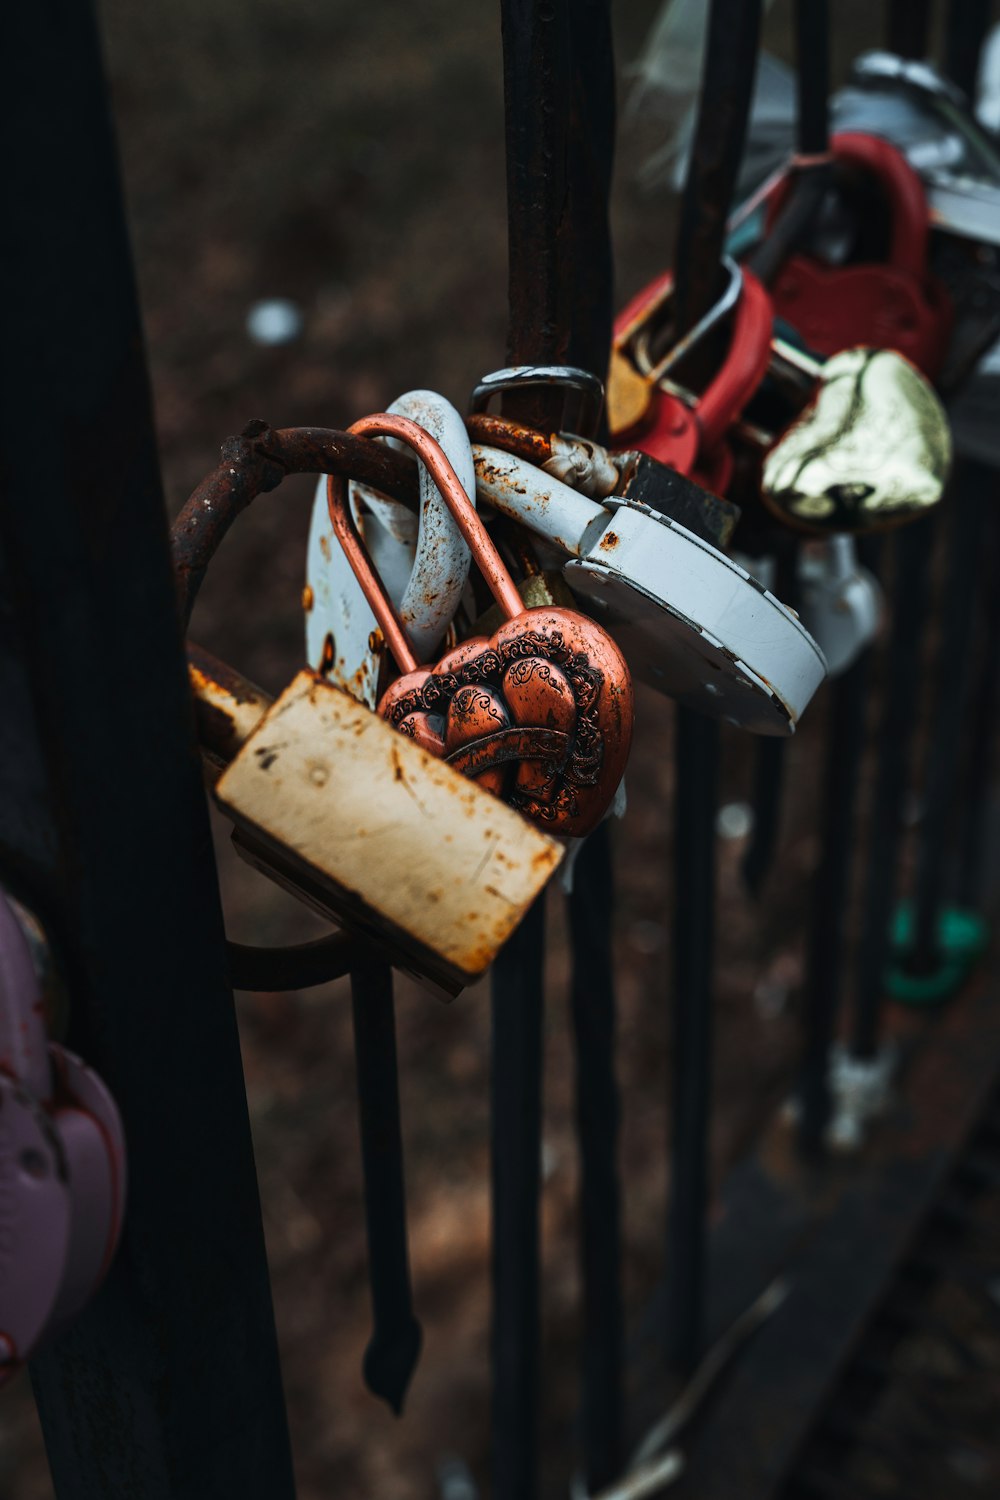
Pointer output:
x,y
169,1383
974,815
697,756
972,491
908,25
560,112
965,31
770,752
537,101
394,1348
913,545
538,104
592,1008
845,741
591,905
812,173
812,72
719,135
516,1113
716,152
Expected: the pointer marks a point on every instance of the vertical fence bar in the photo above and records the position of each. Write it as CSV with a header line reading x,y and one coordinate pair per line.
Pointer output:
x,y
591,903
977,786
697,756
597,1109
908,24
972,489
516,1112
914,545
809,182
770,752
537,101
965,32
560,110
169,1383
812,57
845,742
394,1347
720,131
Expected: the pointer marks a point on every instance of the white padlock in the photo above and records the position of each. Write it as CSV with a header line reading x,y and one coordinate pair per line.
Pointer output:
x,y
689,620
423,562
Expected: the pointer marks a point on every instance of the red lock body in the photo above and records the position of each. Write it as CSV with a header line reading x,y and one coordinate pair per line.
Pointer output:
x,y
897,305
692,440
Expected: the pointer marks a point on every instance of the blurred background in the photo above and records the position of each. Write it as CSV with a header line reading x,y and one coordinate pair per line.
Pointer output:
x,y
349,158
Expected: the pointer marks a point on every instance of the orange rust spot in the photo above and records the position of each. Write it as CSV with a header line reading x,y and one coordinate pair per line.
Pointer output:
x,y
328,658
609,540
308,598
324,547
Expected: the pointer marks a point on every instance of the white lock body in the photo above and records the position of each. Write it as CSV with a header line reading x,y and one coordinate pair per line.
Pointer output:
x,y
688,619
424,564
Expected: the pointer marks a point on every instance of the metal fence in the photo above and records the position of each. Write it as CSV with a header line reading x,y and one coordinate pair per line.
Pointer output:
x,y
169,1383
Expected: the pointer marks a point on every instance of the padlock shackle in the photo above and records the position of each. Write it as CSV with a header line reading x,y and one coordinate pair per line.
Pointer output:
x,y
744,366
905,191
487,559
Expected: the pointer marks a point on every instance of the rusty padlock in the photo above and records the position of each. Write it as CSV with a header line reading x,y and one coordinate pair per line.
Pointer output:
x,y
897,304
540,713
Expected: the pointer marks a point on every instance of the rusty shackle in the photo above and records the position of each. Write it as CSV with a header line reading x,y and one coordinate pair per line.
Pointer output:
x,y
485,554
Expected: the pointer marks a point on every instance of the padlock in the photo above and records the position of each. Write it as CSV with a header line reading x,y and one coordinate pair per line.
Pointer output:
x,y
690,621
634,373
927,118
540,713
897,304
423,560
872,449
599,474
688,434
326,799
840,602
62,1166
367,828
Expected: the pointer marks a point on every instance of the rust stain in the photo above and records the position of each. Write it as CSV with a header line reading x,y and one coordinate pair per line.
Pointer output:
x,y
609,541
324,546
308,598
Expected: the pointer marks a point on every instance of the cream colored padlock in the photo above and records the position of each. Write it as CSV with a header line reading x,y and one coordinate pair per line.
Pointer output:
x,y
367,828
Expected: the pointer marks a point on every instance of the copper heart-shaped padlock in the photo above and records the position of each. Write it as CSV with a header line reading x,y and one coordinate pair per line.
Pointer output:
x,y
540,713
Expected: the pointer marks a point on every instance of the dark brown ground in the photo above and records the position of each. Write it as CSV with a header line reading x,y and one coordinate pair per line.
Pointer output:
x,y
351,157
